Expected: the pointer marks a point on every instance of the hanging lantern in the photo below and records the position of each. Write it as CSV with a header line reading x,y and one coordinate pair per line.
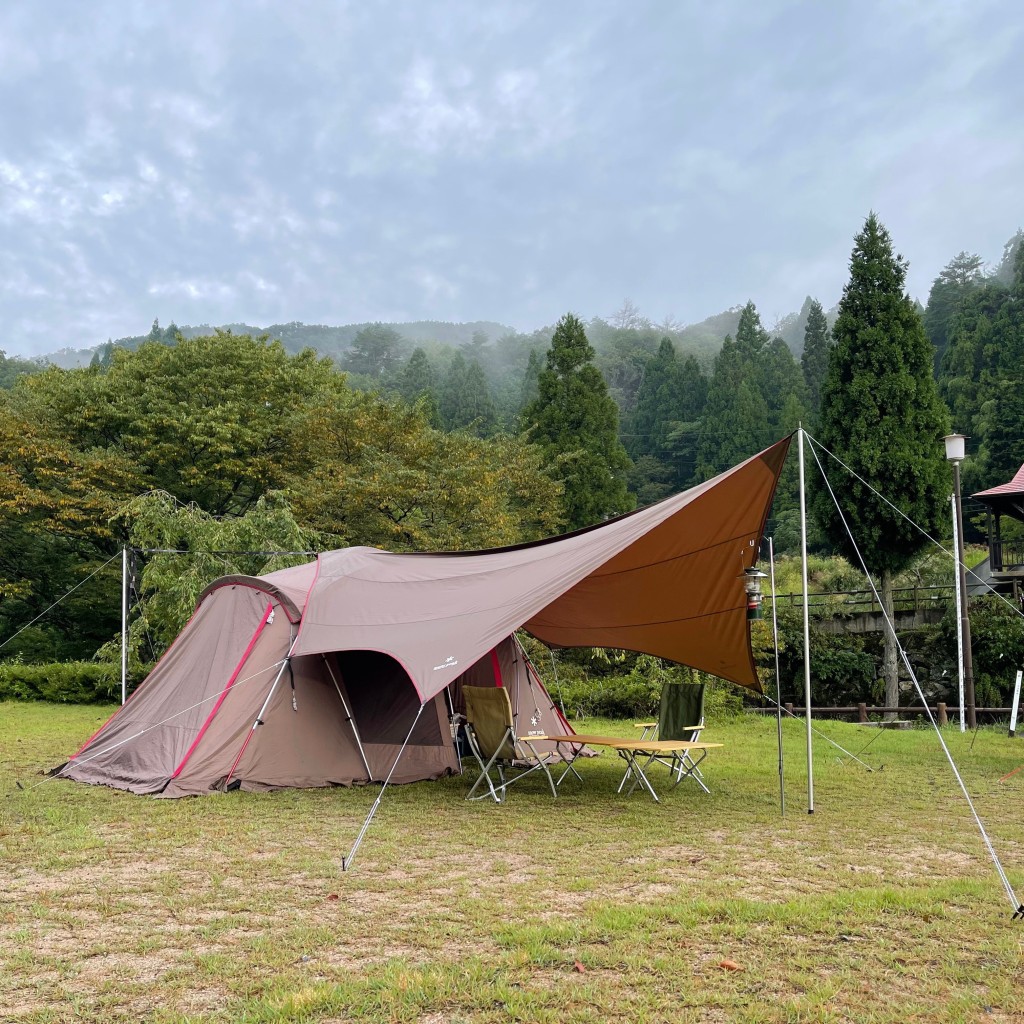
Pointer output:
x,y
752,585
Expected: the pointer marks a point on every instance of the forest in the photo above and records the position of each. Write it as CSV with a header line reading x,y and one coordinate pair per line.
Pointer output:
x,y
211,450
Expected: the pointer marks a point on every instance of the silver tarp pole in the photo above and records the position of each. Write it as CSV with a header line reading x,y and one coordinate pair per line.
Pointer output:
x,y
124,624
807,623
778,681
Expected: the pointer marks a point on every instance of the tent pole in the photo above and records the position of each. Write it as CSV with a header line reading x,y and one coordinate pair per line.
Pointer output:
x,y
778,681
124,624
259,717
348,718
807,623
346,862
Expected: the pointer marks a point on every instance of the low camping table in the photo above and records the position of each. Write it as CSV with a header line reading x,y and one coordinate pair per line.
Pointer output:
x,y
631,751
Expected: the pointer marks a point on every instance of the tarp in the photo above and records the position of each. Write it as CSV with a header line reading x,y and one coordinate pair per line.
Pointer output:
x,y
665,580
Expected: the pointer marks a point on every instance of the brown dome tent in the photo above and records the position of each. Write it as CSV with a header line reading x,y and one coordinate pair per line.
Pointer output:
x,y
315,675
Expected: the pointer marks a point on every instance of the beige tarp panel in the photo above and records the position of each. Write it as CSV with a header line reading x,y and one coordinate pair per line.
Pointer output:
x,y
665,580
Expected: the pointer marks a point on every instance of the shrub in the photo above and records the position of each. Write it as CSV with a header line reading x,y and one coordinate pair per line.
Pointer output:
x,y
637,693
66,682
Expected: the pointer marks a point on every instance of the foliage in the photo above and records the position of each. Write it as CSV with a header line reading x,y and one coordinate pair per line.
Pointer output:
x,y
575,423
961,276
637,692
212,546
376,351
11,368
814,360
66,682
880,413
378,474
997,646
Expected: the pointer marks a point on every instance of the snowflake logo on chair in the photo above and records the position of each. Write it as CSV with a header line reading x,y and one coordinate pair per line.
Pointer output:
x,y
535,717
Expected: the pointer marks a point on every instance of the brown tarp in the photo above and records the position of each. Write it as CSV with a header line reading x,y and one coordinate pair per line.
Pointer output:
x,y
665,580
321,656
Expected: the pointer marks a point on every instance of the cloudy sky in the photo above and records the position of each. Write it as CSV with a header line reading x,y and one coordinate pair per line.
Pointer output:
x,y
333,162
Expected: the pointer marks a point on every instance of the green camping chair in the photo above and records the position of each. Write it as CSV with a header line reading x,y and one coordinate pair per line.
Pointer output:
x,y
490,730
682,705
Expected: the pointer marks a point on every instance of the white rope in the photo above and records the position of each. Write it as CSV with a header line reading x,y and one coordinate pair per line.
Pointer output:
x,y
817,732
978,581
59,599
74,762
1018,907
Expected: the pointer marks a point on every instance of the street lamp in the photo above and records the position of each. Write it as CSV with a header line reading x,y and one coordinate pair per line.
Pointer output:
x,y
955,450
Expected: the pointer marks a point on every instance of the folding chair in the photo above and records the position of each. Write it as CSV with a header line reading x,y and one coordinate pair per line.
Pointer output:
x,y
490,729
682,704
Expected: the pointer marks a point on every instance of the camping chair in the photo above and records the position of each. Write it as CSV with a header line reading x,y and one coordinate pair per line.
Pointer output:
x,y
682,704
490,729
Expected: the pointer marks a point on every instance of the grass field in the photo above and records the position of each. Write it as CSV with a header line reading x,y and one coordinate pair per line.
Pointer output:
x,y
882,906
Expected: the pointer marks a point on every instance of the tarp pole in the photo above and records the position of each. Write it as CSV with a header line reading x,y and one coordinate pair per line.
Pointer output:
x,y
346,862
124,624
351,721
778,681
959,618
1015,705
807,623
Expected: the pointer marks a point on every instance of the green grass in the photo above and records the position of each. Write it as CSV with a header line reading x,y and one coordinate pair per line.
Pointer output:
x,y
882,906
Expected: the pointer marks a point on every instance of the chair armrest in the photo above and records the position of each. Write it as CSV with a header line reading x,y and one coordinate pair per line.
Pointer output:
x,y
644,725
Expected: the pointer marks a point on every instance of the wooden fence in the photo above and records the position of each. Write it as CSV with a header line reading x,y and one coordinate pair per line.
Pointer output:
x,y
863,712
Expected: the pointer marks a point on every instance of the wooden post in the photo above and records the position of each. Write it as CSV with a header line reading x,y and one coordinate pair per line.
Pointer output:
x,y
943,717
862,714
789,707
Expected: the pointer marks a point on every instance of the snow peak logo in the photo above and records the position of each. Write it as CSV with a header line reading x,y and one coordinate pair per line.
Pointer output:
x,y
448,662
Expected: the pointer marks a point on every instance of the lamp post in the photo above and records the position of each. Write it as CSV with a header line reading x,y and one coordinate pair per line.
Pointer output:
x,y
955,450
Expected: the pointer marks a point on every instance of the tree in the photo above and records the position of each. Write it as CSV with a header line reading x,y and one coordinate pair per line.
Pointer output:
x,y
376,473
814,360
956,280
736,421
575,422
881,414
417,377
530,388
376,350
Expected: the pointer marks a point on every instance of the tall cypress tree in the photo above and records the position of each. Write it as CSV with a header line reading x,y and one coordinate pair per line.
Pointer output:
x,y
417,377
735,424
576,423
814,360
881,414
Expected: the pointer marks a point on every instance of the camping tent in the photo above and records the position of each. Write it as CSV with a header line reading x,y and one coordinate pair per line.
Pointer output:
x,y
324,673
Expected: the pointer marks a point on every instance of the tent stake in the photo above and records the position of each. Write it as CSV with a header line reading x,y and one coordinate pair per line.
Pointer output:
x,y
807,623
346,862
778,681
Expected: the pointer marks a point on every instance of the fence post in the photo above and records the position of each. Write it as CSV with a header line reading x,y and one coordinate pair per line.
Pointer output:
x,y
862,714
789,708
943,717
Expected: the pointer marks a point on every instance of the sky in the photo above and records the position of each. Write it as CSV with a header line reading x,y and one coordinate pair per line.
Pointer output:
x,y
333,162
